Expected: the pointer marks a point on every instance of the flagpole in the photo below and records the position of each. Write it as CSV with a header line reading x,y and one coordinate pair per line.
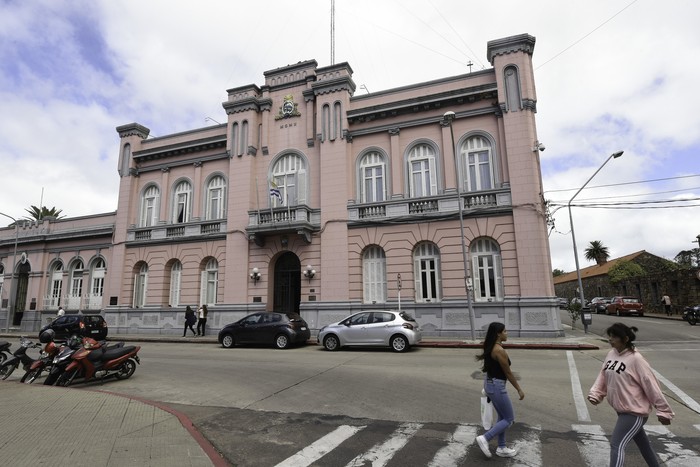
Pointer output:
x,y
257,196
272,216
286,194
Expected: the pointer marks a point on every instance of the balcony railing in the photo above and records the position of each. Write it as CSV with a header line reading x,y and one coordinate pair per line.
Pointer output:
x,y
162,232
492,200
299,219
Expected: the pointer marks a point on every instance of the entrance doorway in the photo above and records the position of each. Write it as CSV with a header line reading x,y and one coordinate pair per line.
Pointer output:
x,y
287,294
20,302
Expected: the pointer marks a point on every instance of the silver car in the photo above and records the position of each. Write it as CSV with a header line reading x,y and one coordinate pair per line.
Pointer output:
x,y
395,329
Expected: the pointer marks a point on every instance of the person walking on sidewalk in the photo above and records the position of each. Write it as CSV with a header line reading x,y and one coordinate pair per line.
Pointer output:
x,y
666,301
632,389
202,323
190,319
497,368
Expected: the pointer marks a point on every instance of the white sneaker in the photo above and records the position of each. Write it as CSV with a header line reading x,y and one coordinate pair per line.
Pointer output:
x,y
483,445
506,452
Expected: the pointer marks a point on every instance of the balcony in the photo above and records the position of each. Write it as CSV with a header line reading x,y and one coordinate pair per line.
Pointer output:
x,y
170,232
474,204
300,220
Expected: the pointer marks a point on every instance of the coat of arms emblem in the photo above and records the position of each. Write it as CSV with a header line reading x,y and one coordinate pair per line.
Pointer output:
x,y
288,108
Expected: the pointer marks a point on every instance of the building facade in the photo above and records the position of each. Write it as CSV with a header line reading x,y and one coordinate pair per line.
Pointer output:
x,y
313,199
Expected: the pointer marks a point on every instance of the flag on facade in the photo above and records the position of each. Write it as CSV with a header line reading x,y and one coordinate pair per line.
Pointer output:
x,y
274,191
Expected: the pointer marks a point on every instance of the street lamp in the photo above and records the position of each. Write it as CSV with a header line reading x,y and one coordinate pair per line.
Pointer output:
x,y
10,305
614,155
447,119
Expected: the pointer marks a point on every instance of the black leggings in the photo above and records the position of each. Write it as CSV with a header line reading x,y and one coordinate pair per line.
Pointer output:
x,y
188,325
201,324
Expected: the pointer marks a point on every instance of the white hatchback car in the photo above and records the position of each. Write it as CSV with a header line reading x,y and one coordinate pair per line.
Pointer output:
x,y
395,329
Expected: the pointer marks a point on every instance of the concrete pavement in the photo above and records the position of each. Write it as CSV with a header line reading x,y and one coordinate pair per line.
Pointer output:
x,y
42,425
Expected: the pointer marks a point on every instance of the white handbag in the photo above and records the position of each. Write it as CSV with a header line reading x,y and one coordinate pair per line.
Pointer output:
x,y
486,411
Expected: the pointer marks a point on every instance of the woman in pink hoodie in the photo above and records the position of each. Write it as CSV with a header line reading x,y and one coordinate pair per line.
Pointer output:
x,y
632,390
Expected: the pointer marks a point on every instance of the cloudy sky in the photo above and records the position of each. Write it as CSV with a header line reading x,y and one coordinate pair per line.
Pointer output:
x,y
611,75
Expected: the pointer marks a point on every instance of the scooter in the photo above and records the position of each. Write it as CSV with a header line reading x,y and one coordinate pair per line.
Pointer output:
x,y
95,361
62,359
19,357
44,362
4,351
691,314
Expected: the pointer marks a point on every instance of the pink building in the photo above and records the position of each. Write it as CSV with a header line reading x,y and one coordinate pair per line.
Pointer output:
x,y
314,199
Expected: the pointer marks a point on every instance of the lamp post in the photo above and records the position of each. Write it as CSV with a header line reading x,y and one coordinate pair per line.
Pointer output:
x,y
614,155
447,119
10,305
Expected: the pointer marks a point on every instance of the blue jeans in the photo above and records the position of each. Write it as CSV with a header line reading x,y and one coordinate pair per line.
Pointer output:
x,y
496,390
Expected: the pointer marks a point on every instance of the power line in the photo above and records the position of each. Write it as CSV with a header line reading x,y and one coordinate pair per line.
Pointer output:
x,y
625,183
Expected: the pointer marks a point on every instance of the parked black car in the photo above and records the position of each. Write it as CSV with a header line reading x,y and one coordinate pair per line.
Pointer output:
x,y
280,329
65,326
599,304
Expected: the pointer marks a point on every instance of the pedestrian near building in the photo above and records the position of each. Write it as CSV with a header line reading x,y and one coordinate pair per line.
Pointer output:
x,y
202,322
666,301
497,371
633,390
60,312
190,319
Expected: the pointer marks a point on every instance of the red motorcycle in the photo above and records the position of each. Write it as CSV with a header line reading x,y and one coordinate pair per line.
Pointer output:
x,y
95,361
43,363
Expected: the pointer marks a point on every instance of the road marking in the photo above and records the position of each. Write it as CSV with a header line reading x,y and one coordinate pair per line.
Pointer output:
x,y
529,449
674,455
689,401
593,446
380,454
321,447
457,447
581,409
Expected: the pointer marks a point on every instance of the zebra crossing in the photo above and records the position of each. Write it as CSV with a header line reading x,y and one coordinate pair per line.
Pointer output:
x,y
457,448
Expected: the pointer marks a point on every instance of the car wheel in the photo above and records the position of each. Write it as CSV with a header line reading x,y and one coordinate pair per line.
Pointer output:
x,y
331,343
641,314
281,341
227,341
692,319
399,343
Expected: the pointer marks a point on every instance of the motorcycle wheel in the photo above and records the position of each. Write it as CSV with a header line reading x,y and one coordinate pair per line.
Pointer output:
x,y
31,376
692,319
6,371
66,378
52,378
3,357
126,370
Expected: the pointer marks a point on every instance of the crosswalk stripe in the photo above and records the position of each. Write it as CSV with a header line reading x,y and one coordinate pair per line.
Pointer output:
x,y
529,449
581,409
675,455
321,447
689,401
594,446
382,453
456,449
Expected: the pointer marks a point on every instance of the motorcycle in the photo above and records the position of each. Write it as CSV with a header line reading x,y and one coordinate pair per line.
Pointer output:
x,y
19,357
62,359
4,351
44,362
691,314
93,360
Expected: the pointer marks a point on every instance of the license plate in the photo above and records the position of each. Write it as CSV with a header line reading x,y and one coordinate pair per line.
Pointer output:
x,y
95,331
303,328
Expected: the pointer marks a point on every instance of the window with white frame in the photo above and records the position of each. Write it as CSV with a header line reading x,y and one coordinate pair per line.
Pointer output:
x,y
76,284
182,202
476,157
97,284
2,278
487,273
140,286
421,167
216,189
175,280
149,206
210,281
289,174
426,261
56,285
374,275
372,170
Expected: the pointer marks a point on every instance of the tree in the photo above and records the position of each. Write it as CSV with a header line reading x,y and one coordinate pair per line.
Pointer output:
x,y
558,272
688,258
598,252
624,270
38,214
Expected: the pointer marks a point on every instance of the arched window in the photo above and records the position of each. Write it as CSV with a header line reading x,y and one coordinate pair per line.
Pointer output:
x,y
149,207
487,270
97,284
512,84
426,270
372,176
175,279
235,138
210,281
182,202
76,285
337,129
325,122
2,278
421,169
56,286
216,196
374,275
476,155
289,174
126,160
140,286
244,138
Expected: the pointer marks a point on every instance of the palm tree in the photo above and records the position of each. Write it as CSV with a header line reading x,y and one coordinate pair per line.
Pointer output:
x,y
596,251
38,214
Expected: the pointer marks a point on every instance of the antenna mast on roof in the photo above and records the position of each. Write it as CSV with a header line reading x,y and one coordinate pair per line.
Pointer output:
x,y
332,32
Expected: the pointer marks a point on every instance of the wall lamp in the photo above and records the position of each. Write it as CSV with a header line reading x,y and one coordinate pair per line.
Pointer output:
x,y
309,273
255,275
